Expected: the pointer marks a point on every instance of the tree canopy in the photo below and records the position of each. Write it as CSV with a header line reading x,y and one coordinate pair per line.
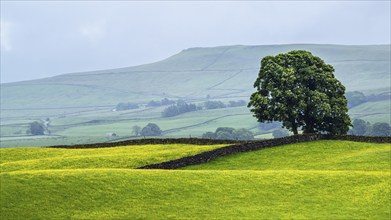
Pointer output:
x,y
151,129
300,90
227,133
36,128
136,130
381,129
125,106
360,127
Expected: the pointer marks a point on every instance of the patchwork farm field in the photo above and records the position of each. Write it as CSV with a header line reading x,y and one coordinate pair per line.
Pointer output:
x,y
80,105
313,180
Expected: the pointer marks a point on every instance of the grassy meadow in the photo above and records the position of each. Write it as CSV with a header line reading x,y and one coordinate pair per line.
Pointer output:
x,y
319,155
126,157
314,180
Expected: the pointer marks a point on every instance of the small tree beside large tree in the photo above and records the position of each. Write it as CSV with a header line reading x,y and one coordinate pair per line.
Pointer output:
x,y
300,90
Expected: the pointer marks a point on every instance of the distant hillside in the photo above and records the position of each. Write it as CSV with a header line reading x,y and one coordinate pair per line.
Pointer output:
x,y
221,72
80,105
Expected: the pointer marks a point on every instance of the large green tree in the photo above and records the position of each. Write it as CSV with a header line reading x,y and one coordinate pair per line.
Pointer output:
x,y
300,90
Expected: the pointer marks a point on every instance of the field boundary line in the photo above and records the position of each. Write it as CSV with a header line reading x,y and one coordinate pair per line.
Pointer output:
x,y
207,156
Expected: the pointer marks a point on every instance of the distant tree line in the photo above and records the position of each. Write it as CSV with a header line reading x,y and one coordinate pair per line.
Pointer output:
x,y
219,104
162,102
122,106
359,128
213,105
354,98
364,128
179,108
182,107
227,133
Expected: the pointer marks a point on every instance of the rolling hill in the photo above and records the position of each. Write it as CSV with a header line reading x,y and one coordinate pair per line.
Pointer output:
x,y
322,180
79,104
227,71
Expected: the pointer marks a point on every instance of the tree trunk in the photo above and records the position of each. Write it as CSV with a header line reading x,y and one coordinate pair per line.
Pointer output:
x,y
309,126
294,128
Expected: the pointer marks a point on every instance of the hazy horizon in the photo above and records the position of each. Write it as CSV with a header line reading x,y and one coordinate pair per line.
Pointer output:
x,y
44,39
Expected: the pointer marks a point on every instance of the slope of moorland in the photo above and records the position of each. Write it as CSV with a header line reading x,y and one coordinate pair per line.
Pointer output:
x,y
227,71
80,105
245,187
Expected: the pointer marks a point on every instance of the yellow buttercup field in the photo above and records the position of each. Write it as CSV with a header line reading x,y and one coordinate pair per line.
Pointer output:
x,y
314,180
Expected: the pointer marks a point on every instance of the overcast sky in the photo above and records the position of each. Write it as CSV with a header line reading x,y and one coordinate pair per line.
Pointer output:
x,y
41,39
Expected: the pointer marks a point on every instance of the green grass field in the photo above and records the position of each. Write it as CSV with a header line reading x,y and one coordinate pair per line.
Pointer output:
x,y
149,194
78,128
315,180
127,157
319,155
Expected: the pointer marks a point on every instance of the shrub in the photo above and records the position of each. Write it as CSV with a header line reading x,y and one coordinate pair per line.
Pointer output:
x,y
227,133
242,134
360,127
164,101
36,128
209,135
136,130
381,129
180,108
214,105
151,129
125,106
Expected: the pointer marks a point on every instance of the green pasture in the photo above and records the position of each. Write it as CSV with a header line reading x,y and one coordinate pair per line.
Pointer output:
x,y
95,125
319,155
81,104
16,159
314,180
210,194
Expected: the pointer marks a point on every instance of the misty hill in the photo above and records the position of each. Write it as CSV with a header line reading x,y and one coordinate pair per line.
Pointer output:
x,y
80,105
220,72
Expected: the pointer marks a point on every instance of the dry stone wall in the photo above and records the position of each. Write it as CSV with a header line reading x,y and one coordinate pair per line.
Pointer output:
x,y
256,145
